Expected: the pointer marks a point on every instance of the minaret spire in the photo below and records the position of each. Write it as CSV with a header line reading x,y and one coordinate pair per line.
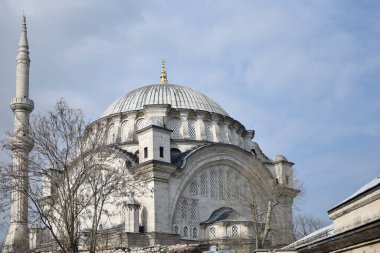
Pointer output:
x,y
21,144
164,76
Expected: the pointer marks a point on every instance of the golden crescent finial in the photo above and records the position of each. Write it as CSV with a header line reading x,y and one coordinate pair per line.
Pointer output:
x,y
164,76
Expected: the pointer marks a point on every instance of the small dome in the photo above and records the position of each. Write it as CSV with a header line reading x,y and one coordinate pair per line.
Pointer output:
x,y
179,97
279,158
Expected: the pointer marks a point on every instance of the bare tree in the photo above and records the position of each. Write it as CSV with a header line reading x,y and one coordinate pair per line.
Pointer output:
x,y
264,206
304,225
75,178
262,212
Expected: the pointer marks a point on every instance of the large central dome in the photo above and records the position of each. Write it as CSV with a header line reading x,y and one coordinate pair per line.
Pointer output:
x,y
179,97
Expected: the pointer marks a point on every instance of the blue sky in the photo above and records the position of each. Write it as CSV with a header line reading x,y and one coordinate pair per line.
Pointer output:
x,y
303,74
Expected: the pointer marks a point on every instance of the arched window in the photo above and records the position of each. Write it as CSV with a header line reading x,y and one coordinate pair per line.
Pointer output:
x,y
140,124
220,132
184,209
221,184
212,232
124,131
194,233
213,184
234,231
192,132
176,230
203,181
111,134
193,188
208,130
175,125
229,185
237,187
186,232
193,210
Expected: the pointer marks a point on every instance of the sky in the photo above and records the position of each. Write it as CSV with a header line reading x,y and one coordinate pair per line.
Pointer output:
x,y
303,74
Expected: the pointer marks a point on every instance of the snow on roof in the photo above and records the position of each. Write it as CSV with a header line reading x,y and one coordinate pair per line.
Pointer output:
x,y
317,235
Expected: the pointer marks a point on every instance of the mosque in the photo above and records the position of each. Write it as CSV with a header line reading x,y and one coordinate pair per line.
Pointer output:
x,y
201,160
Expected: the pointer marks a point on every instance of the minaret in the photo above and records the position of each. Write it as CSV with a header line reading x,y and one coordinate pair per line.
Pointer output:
x,y
21,143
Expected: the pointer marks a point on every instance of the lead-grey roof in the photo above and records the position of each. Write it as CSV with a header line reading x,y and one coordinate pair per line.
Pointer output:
x,y
225,214
179,97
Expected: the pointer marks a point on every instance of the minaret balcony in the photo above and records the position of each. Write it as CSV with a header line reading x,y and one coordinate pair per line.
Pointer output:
x,y
22,103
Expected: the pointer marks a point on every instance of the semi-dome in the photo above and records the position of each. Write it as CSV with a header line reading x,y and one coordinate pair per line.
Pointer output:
x,y
179,97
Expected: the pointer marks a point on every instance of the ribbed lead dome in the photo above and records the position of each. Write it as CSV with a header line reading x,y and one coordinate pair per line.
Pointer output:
x,y
179,97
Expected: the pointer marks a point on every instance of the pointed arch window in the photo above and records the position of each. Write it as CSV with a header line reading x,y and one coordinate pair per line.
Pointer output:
x,y
193,210
213,184
221,184
124,131
193,188
186,232
194,233
184,208
229,185
203,182
208,130
140,124
220,132
192,131
111,134
234,231
212,232
237,188
176,229
175,125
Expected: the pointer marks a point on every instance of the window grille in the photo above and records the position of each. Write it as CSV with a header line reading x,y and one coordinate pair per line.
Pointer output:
x,y
124,131
140,124
220,132
184,209
185,231
192,132
229,185
194,233
212,232
193,188
111,134
175,125
213,184
208,130
221,184
237,187
203,180
176,230
193,210
234,231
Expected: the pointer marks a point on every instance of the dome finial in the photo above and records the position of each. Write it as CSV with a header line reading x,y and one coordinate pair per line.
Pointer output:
x,y
164,76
